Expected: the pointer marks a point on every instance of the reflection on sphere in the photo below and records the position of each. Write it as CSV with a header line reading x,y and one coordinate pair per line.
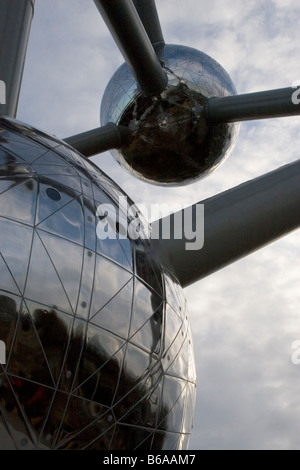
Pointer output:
x,y
98,345
172,143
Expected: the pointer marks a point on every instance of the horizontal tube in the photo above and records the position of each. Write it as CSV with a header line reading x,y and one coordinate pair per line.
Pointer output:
x,y
261,105
98,140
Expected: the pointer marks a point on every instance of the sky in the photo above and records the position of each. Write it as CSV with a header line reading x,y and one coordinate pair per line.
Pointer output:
x,y
246,317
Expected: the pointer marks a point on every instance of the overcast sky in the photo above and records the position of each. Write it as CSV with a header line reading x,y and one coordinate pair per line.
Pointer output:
x,y
245,317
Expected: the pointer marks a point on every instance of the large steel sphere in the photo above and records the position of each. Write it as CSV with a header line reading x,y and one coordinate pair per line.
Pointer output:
x,y
171,143
98,345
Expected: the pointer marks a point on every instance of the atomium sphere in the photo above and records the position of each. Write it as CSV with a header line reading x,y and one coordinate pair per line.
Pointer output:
x,y
171,142
98,345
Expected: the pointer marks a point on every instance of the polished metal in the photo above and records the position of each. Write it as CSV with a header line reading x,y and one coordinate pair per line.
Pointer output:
x,y
15,24
129,33
99,140
236,223
260,105
99,348
97,342
171,143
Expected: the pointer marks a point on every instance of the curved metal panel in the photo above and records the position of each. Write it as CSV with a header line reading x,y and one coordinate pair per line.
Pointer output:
x,y
99,349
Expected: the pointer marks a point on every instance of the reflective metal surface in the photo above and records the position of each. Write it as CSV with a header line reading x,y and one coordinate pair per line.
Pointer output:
x,y
98,346
172,142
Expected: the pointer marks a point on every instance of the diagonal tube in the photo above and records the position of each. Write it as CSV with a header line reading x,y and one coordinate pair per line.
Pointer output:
x,y
129,33
236,223
149,16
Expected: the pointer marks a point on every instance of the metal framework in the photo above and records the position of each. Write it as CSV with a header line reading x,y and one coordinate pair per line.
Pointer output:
x,y
238,221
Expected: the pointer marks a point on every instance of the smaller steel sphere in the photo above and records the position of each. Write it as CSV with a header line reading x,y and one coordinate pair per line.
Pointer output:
x,y
171,142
